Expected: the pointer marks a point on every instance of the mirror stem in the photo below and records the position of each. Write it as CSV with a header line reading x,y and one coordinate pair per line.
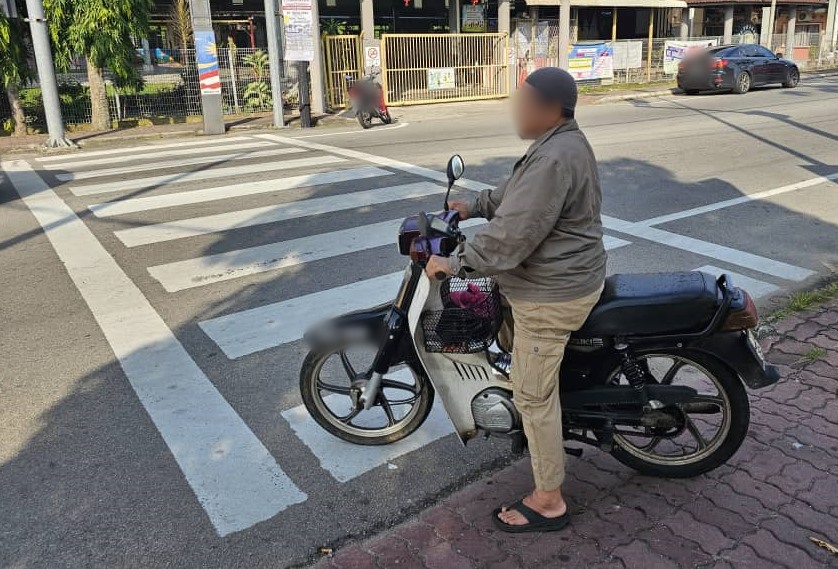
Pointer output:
x,y
448,193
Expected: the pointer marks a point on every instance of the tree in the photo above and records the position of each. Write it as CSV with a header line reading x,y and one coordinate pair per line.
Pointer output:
x,y
101,31
180,24
14,66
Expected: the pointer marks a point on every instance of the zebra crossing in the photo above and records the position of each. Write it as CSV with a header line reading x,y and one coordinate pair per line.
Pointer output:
x,y
241,184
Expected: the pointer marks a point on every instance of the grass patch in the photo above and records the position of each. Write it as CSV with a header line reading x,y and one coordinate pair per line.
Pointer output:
x,y
806,300
600,89
813,355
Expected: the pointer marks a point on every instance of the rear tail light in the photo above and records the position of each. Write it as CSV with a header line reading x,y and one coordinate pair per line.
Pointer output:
x,y
742,316
719,63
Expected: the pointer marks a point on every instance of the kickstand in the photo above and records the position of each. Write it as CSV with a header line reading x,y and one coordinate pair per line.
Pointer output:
x,y
577,452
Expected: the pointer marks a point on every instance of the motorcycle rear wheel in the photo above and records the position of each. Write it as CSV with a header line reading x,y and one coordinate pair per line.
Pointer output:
x,y
708,454
386,422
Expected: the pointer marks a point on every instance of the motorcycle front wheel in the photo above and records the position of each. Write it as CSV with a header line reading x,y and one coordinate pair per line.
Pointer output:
x,y
330,384
708,429
364,119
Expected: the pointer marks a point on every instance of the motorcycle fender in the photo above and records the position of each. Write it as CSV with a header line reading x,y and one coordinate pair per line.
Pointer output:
x,y
365,324
743,357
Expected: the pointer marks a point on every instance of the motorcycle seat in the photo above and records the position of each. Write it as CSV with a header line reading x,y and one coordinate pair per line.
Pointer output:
x,y
653,304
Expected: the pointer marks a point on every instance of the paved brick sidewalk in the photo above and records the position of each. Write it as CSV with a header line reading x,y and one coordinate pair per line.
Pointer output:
x,y
757,512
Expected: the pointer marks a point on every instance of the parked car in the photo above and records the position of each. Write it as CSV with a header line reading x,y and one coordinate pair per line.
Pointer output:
x,y
735,68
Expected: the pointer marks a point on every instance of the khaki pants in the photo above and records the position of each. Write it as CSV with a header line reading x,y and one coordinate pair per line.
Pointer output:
x,y
541,331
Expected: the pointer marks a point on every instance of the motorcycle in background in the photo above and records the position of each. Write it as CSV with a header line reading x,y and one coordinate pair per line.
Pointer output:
x,y
656,377
366,97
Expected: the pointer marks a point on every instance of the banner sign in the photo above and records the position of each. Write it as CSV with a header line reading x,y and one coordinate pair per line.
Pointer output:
x,y
206,57
440,78
675,51
628,54
474,19
297,20
591,61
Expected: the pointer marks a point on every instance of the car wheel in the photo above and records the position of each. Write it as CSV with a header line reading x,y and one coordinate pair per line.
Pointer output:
x,y
742,84
792,78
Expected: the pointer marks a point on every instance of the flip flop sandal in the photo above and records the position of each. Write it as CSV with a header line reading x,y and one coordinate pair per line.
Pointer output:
x,y
535,521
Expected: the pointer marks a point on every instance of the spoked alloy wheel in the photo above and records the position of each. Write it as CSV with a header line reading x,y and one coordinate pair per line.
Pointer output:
x,y
742,83
703,432
792,79
364,119
331,382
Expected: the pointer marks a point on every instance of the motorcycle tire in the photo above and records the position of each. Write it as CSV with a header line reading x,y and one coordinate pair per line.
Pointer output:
x,y
740,414
309,376
386,118
364,119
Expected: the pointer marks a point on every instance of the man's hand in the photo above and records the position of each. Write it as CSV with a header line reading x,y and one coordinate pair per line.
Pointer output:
x,y
461,208
437,264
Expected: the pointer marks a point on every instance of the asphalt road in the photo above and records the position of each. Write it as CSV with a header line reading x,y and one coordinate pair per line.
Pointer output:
x,y
147,421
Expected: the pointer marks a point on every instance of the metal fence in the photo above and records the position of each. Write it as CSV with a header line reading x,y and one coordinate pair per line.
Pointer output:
x,y
344,64
171,90
636,61
433,68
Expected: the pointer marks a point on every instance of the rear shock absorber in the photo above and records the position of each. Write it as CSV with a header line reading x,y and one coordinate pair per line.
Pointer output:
x,y
636,378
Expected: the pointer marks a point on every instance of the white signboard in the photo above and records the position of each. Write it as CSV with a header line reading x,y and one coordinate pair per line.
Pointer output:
x,y
440,78
297,20
675,51
628,54
372,57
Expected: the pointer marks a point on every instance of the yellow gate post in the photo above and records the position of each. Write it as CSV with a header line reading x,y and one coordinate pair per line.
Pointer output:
x,y
344,56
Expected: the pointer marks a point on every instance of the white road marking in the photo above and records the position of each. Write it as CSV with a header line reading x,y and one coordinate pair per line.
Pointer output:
x,y
264,327
121,207
231,173
145,167
192,227
203,142
379,160
740,200
138,154
755,287
346,461
233,475
707,249
362,132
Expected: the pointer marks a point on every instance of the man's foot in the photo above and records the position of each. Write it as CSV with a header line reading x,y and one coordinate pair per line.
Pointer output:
x,y
522,518
545,504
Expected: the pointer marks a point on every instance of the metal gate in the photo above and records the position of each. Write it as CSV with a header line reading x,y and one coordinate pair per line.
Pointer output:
x,y
343,58
434,68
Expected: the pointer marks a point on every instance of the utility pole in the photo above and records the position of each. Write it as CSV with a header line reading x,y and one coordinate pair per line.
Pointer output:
x,y
209,75
275,62
46,75
564,35
772,17
832,25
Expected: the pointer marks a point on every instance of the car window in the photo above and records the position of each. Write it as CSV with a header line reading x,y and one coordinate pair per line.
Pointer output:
x,y
733,52
748,51
761,51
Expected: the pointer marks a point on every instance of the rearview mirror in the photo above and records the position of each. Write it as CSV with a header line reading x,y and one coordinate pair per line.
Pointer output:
x,y
455,168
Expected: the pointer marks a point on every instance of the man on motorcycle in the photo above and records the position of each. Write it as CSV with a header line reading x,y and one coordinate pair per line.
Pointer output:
x,y
543,244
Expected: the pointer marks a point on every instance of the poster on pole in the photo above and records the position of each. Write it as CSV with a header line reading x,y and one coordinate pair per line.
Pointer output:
x,y
628,55
591,61
206,56
474,19
440,78
298,24
675,51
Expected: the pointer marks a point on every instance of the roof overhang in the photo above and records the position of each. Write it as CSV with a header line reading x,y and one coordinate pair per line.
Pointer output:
x,y
614,3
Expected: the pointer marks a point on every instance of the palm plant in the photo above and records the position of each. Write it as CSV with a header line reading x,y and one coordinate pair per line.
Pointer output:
x,y
257,93
14,68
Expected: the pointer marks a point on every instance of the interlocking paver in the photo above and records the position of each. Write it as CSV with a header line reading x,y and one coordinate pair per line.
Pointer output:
x,y
756,512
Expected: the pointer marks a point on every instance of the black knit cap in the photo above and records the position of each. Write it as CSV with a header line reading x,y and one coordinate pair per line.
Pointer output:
x,y
555,86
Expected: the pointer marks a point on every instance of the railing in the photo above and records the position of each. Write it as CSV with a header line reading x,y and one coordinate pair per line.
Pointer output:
x,y
342,55
433,68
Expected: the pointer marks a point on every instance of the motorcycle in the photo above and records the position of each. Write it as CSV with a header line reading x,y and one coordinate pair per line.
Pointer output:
x,y
656,376
366,98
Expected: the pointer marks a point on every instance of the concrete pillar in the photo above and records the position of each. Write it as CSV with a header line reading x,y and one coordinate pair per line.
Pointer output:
x,y
318,87
789,53
367,19
693,15
202,31
686,23
564,34
504,27
454,16
728,24
765,28
832,25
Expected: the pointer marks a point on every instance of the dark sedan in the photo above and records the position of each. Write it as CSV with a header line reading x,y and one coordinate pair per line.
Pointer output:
x,y
735,68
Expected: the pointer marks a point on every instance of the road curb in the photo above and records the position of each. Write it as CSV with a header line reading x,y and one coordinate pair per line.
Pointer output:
x,y
632,96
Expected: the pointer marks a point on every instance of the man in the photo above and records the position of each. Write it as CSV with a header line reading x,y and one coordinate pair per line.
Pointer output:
x,y
544,246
